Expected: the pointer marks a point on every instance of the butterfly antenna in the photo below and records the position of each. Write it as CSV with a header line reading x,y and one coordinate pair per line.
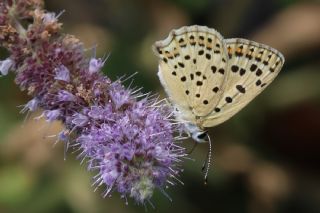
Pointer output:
x,y
208,162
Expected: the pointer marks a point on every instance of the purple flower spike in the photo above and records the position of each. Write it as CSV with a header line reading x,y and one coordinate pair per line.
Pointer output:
x,y
134,152
128,142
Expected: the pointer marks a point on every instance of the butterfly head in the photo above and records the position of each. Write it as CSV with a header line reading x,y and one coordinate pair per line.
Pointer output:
x,y
197,134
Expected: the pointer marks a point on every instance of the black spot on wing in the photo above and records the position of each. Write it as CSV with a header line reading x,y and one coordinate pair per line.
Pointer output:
x,y
258,82
199,83
221,71
213,69
228,99
191,76
234,68
249,56
259,72
217,109
253,67
215,89
194,61
181,64
242,72
241,89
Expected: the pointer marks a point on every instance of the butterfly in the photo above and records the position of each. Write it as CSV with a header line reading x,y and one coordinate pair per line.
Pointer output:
x,y
209,79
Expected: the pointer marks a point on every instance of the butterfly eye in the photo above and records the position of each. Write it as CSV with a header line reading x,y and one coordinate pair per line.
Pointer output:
x,y
203,136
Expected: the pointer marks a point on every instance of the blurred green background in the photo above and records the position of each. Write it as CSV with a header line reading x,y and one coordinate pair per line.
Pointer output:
x,y
266,158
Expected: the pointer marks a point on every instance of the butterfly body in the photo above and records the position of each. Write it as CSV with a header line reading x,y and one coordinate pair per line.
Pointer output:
x,y
208,79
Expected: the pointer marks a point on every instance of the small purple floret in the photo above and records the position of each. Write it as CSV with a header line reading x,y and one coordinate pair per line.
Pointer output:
x,y
62,73
95,65
79,120
66,96
52,115
5,66
31,106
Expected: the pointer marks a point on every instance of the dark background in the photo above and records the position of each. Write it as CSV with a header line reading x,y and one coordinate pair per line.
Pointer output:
x,y
266,158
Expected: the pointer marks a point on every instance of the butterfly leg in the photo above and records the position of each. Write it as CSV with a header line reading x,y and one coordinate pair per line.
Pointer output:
x,y
194,146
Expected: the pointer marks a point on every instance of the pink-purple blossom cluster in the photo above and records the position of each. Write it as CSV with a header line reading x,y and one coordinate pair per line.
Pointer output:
x,y
129,142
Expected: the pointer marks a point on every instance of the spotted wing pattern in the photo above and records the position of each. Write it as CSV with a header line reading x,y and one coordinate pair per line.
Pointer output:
x,y
251,68
208,78
192,69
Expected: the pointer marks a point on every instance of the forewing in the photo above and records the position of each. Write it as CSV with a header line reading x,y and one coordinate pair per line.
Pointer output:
x,y
192,69
251,68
